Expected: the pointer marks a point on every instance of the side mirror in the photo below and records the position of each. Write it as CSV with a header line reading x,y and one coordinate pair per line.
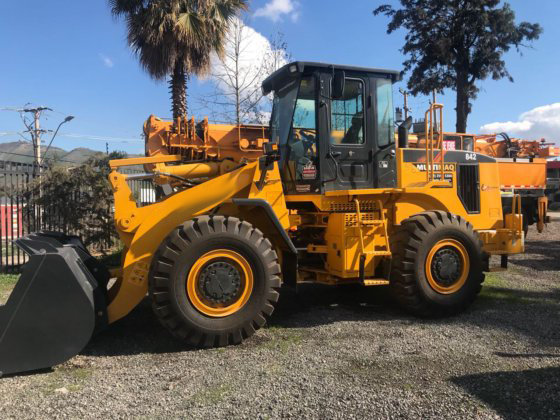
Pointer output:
x,y
338,84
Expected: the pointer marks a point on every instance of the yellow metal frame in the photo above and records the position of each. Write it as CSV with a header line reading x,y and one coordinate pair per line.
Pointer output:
x,y
143,229
117,163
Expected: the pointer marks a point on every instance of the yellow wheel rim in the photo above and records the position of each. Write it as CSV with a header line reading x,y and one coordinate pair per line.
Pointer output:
x,y
220,283
447,266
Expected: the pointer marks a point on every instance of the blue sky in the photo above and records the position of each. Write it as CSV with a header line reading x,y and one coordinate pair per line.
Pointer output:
x,y
72,56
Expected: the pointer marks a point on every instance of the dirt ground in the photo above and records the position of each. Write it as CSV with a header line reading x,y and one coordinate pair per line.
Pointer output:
x,y
329,353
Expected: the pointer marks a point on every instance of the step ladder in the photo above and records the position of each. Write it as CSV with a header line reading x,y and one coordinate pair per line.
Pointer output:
x,y
384,252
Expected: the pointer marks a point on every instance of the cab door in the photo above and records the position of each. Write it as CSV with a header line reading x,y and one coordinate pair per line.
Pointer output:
x,y
383,133
347,155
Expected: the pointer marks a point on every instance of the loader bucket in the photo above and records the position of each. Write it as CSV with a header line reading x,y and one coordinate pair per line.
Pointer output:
x,y
55,306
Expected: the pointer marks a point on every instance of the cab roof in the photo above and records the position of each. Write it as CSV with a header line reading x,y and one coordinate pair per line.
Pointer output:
x,y
283,75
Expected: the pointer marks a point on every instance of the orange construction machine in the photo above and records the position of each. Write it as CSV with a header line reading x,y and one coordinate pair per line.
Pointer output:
x,y
522,166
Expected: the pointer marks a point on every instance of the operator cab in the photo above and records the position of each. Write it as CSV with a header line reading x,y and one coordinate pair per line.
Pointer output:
x,y
334,127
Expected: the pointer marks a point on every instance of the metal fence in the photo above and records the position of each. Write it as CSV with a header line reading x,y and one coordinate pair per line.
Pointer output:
x,y
19,217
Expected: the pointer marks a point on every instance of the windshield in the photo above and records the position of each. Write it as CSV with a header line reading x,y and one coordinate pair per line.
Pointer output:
x,y
282,113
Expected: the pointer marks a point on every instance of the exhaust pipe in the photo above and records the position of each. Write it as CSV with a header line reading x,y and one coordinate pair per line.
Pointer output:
x,y
403,133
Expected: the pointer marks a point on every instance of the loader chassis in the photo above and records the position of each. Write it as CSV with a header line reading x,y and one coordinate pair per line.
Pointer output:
x,y
341,194
331,199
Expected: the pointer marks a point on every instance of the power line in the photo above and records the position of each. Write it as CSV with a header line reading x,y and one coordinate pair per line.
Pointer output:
x,y
43,109
104,138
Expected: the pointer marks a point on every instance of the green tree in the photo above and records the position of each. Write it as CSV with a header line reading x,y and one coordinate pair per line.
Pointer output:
x,y
455,43
76,200
176,37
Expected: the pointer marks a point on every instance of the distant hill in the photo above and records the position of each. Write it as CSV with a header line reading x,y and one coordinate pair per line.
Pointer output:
x,y
22,152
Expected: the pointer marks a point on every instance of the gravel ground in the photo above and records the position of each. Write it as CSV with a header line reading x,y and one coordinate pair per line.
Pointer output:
x,y
329,353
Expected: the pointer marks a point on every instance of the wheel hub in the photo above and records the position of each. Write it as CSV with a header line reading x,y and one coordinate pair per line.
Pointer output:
x,y
446,267
220,282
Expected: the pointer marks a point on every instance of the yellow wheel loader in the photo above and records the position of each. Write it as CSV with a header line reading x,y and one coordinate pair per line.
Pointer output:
x,y
325,195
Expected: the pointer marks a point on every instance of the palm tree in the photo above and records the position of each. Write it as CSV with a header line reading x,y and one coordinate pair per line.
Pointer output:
x,y
177,37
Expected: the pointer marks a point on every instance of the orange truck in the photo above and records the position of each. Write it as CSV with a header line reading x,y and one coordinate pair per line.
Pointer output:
x,y
522,166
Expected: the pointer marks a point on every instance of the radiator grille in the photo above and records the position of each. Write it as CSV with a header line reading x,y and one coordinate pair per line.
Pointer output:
x,y
344,207
468,187
351,219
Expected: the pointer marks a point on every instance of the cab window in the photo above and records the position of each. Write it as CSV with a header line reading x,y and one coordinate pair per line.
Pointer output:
x,y
385,123
347,115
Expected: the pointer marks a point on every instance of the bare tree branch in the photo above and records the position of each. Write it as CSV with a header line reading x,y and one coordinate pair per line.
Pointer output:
x,y
237,77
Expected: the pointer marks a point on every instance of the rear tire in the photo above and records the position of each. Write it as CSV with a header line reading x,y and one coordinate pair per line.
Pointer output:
x,y
437,266
214,281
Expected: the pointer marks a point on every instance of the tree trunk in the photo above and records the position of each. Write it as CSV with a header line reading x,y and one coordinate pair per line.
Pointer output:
x,y
463,107
178,90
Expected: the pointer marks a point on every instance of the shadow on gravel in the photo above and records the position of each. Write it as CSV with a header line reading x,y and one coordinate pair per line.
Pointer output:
x,y
529,394
139,332
526,355
530,313
549,251
315,304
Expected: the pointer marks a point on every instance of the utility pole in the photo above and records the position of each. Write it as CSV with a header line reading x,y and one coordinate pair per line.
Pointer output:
x,y
36,135
406,109
107,148
37,141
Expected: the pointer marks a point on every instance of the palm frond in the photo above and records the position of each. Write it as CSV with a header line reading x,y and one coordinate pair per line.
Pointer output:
x,y
170,37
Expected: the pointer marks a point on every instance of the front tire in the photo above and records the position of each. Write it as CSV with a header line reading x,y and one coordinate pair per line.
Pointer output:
x,y
214,281
437,266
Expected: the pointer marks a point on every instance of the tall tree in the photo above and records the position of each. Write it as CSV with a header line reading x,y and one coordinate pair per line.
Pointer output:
x,y
455,43
237,76
175,38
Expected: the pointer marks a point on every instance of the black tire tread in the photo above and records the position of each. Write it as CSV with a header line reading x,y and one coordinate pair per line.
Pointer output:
x,y
405,244
182,237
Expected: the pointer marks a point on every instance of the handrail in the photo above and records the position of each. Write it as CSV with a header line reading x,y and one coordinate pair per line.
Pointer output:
x,y
430,120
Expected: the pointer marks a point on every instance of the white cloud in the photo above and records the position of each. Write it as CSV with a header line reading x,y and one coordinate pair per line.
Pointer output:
x,y
540,122
249,58
275,10
107,62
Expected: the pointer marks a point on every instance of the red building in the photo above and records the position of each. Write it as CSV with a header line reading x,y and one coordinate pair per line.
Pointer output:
x,y
11,221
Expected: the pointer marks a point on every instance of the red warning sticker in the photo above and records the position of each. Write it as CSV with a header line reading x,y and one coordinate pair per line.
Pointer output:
x,y
309,172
